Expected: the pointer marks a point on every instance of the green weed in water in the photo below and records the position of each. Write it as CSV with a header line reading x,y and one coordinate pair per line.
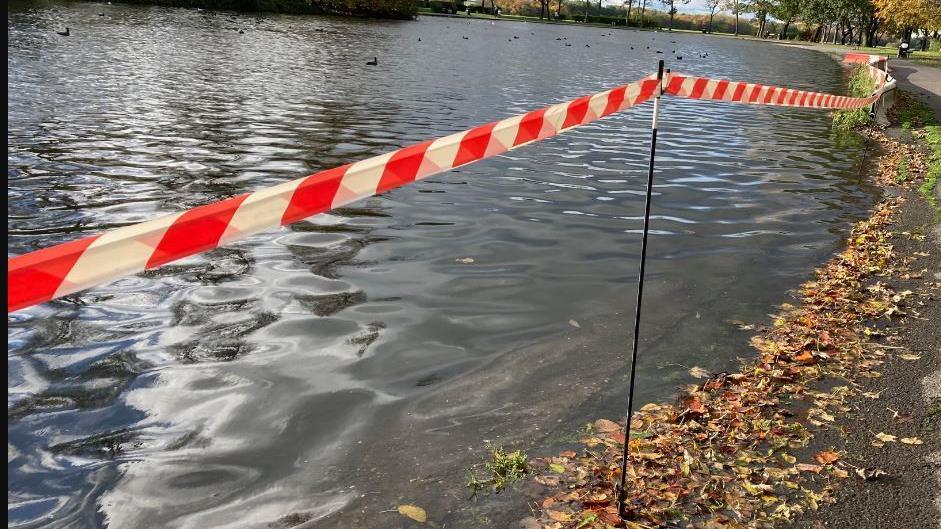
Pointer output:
x,y
500,470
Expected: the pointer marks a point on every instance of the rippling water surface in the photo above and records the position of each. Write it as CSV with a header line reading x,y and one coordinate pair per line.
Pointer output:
x,y
323,374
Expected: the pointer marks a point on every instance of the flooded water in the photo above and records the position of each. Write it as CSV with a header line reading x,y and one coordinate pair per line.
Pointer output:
x,y
321,375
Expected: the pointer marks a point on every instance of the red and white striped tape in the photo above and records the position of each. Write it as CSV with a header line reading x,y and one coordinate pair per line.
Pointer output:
x,y
758,94
60,270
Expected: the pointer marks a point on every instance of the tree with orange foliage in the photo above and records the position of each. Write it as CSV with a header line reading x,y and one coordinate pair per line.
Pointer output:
x,y
909,15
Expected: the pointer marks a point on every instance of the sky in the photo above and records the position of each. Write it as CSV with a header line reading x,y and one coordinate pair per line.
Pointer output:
x,y
695,6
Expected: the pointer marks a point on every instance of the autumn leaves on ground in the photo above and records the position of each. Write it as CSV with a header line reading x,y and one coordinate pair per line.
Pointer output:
x,y
735,449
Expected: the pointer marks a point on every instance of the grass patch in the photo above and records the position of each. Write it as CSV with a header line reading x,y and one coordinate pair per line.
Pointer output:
x,y
915,114
903,170
927,189
499,471
860,85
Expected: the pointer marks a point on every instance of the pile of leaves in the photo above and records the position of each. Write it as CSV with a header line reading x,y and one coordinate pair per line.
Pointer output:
x,y
731,452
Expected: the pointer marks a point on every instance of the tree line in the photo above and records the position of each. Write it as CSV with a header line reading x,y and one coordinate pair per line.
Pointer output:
x,y
857,22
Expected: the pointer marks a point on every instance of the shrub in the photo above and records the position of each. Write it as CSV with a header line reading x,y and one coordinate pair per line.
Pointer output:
x,y
860,85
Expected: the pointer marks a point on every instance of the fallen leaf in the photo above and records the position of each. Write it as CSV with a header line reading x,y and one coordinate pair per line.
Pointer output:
x,y
588,519
809,468
465,260
568,453
909,357
557,468
559,516
604,426
756,489
870,474
886,438
414,512
698,372
575,324
805,358
912,441
826,457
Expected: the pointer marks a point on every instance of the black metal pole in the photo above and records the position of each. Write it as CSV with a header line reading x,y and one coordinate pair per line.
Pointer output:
x,y
622,491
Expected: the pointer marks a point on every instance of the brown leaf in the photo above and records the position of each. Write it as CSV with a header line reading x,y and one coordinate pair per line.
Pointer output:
x,y
805,357
568,453
827,457
809,468
604,426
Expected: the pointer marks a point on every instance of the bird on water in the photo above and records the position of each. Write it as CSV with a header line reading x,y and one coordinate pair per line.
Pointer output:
x,y
64,33
373,62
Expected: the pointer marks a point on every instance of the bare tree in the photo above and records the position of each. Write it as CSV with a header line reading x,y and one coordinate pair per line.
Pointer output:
x,y
629,3
735,6
671,5
713,5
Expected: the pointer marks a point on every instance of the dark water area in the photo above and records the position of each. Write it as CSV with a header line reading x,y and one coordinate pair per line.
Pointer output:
x,y
322,374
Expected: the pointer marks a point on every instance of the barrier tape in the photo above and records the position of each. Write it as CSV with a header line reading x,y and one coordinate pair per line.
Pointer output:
x,y
51,273
60,270
757,94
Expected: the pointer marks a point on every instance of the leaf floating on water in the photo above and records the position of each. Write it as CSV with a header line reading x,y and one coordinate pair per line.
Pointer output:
x,y
557,468
465,260
742,326
574,323
699,372
414,512
912,441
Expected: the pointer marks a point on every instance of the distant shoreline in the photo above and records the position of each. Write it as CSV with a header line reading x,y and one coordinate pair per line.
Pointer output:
x,y
382,9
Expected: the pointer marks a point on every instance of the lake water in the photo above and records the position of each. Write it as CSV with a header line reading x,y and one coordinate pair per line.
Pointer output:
x,y
323,374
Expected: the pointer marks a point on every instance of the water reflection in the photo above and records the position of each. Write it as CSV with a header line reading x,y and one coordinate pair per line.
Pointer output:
x,y
324,373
